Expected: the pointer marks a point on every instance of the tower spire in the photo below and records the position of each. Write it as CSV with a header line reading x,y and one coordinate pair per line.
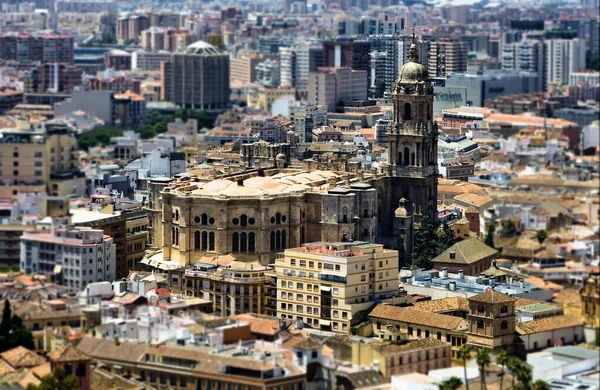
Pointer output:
x,y
412,52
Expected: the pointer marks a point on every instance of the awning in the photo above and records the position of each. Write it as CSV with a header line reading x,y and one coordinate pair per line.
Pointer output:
x,y
324,288
325,323
57,269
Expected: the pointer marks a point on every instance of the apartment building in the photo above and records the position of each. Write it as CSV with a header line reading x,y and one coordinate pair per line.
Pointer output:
x,y
233,287
563,57
326,285
243,68
328,86
38,159
150,61
47,47
447,56
52,77
76,256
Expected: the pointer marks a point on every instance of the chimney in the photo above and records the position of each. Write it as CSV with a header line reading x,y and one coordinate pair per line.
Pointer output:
x,y
444,272
117,343
461,274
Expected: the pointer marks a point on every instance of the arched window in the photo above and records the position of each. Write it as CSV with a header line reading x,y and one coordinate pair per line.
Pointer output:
x,y
504,325
399,158
302,235
278,239
204,241
407,113
173,235
504,309
480,324
176,215
197,239
406,156
272,240
480,309
412,158
251,242
211,241
345,215
235,244
244,220
278,219
204,219
243,243
177,236
283,239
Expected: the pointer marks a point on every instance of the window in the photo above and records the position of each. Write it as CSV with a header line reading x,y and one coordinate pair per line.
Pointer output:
x,y
336,291
479,324
504,325
480,309
292,261
504,309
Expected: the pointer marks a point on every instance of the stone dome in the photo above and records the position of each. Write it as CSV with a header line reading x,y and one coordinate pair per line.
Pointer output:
x,y
281,156
401,210
413,72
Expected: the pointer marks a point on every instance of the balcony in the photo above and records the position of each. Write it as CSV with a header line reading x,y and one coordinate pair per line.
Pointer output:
x,y
332,278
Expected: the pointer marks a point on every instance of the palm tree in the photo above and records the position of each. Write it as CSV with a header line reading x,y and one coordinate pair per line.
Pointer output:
x,y
524,375
502,359
483,360
464,353
512,363
454,383
540,385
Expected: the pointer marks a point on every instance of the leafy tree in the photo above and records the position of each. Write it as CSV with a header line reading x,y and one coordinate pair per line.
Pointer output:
x,y
425,247
508,228
502,359
56,380
483,360
464,354
12,331
490,228
592,60
452,383
541,236
100,136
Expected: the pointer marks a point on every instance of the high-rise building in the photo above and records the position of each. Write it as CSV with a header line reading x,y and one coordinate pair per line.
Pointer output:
x,y
75,256
200,77
130,27
563,57
326,285
347,53
297,62
57,78
243,68
329,86
447,56
48,47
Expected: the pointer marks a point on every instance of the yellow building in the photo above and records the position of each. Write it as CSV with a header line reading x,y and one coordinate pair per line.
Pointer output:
x,y
39,159
325,285
590,300
265,97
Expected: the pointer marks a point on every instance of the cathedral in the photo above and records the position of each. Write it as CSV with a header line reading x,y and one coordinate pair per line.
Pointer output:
x,y
409,191
256,212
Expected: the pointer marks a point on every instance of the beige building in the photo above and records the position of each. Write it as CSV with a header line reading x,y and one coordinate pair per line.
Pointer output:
x,y
39,159
233,287
326,285
243,68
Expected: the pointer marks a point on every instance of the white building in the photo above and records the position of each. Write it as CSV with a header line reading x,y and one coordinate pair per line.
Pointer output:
x,y
591,78
591,134
76,256
563,57
524,56
564,363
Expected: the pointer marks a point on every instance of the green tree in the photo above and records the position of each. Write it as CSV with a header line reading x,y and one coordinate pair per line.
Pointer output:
x,y
514,365
541,236
12,331
501,360
451,383
540,385
56,380
483,360
425,244
490,228
464,354
508,228
446,238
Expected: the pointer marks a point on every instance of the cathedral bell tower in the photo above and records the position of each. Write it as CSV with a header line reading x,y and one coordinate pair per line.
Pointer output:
x,y
412,137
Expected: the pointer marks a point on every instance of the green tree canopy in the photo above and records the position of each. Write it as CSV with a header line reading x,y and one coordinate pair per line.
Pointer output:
x,y
425,244
541,236
56,380
451,383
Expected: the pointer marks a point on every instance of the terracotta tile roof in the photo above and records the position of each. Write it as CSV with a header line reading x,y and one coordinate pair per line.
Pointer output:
x,y
466,252
22,357
474,199
413,345
42,371
19,379
5,367
307,344
492,296
262,326
519,302
68,353
108,381
417,317
443,305
549,324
